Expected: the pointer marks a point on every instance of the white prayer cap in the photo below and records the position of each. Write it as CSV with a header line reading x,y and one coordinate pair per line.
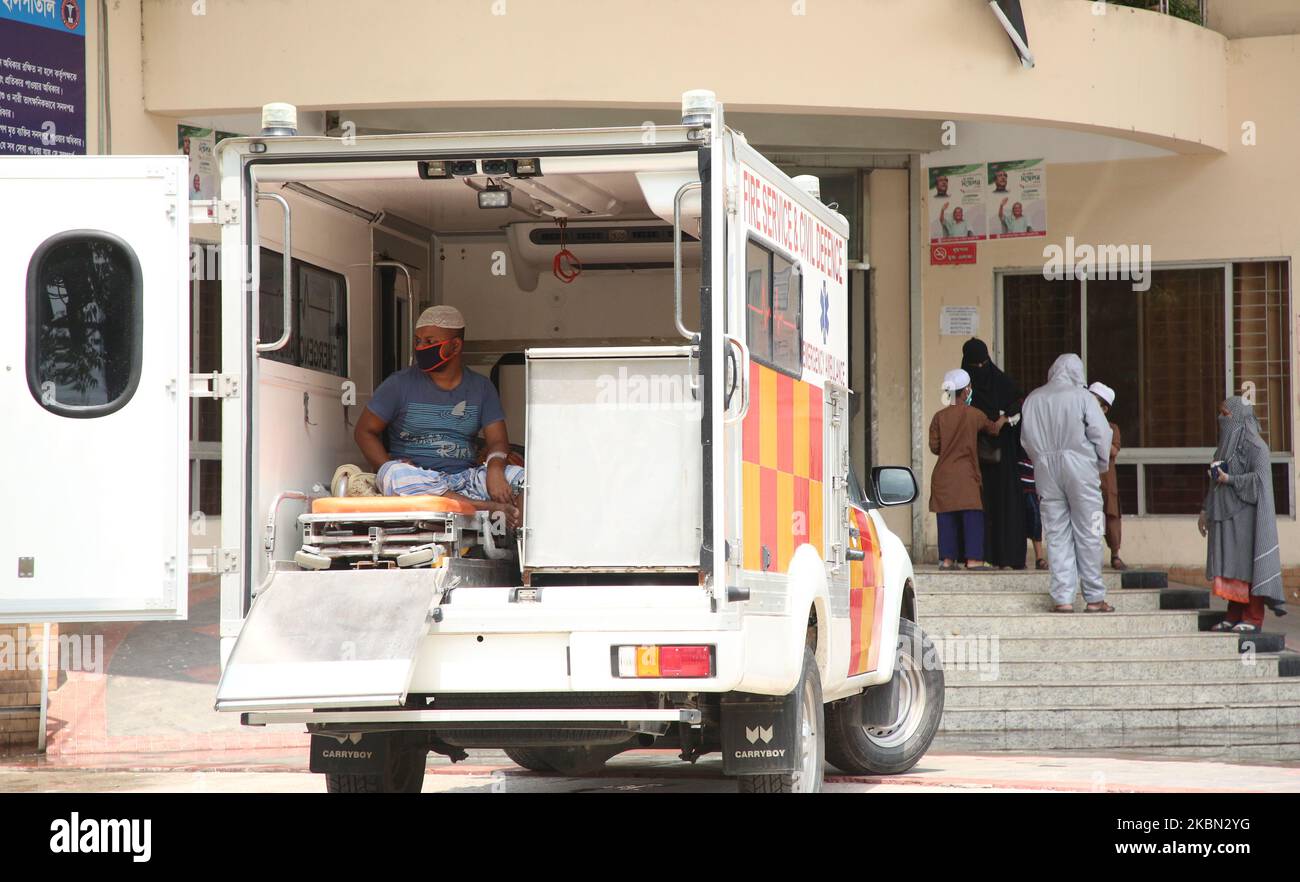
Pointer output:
x,y
955,380
1104,392
441,317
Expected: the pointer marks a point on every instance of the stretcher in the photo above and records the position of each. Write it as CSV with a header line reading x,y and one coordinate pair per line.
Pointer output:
x,y
404,532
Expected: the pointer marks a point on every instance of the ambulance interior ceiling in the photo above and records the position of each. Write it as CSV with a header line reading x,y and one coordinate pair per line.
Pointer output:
x,y
624,294
450,205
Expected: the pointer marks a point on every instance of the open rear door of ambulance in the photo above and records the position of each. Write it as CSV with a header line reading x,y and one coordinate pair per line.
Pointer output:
x,y
94,388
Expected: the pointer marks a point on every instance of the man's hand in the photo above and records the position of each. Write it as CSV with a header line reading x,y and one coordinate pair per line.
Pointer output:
x,y
497,486
1201,525
1224,477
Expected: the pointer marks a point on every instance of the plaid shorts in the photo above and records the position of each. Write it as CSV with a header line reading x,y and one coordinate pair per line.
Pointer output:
x,y
398,478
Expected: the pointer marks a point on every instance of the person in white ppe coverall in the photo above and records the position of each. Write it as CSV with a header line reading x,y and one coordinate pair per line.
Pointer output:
x,y
1067,437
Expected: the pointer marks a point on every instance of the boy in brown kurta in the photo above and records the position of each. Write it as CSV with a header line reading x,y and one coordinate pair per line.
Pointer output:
x,y
955,484
1109,483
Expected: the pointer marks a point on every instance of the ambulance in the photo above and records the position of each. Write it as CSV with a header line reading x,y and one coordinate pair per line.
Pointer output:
x,y
664,314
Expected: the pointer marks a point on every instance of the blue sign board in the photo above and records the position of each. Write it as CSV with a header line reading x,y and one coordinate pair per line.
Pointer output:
x,y
42,77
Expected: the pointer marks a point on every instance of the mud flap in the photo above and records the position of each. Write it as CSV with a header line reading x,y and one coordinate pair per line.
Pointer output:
x,y
759,734
330,639
877,706
355,754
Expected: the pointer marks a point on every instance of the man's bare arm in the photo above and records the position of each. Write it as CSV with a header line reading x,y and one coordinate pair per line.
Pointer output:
x,y
497,441
369,435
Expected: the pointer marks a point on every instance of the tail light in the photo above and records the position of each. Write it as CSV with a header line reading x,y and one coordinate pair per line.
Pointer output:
x,y
663,661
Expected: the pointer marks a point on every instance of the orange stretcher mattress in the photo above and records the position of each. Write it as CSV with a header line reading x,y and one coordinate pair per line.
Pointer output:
x,y
380,504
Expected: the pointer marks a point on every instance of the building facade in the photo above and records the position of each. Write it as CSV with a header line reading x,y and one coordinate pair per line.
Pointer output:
x,y
1156,232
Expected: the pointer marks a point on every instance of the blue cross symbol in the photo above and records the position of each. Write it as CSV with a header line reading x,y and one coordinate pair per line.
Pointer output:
x,y
826,313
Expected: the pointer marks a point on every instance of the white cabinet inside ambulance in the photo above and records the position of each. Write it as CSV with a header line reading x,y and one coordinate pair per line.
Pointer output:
x,y
665,322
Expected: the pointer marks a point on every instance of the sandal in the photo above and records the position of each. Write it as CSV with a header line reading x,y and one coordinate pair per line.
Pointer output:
x,y
1102,607
946,567
1245,628
1224,625
1040,564
1063,609
980,569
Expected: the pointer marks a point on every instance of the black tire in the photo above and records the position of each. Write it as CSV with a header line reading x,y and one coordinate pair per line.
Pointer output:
x,y
579,762
895,749
810,689
404,774
528,758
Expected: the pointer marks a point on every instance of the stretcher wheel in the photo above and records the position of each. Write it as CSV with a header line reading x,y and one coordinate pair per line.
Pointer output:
x,y
418,557
311,561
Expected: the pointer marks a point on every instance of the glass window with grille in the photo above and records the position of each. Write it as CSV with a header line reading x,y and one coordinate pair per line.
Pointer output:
x,y
758,309
1170,352
774,309
319,337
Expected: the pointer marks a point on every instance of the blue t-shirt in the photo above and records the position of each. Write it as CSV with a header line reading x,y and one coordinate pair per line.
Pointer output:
x,y
430,426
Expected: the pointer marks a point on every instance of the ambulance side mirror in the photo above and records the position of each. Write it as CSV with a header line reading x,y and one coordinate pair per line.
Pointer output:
x,y
894,485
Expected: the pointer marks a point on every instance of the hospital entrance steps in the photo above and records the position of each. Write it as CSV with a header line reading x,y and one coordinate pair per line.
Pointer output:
x,y
1148,675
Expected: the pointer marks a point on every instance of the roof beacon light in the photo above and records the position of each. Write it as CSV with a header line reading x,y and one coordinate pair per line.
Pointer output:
x,y
810,184
697,107
279,118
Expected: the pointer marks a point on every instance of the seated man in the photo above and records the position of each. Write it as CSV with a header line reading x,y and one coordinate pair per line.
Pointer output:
x,y
431,412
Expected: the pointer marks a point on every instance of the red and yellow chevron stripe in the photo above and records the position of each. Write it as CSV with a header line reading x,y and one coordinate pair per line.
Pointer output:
x,y
781,463
866,595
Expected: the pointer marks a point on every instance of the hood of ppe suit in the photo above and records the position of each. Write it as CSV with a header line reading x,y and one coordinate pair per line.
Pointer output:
x,y
1068,367
1063,418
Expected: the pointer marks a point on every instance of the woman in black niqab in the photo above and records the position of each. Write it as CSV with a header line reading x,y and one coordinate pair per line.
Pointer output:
x,y
1004,507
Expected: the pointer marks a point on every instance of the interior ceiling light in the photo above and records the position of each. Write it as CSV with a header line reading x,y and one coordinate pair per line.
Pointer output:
x,y
494,196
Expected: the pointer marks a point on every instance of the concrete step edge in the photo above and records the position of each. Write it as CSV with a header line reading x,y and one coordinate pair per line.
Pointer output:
x,y
1116,708
1260,656
1094,684
1207,636
1032,592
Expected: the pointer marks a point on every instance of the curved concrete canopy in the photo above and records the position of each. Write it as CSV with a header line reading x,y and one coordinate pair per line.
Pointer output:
x,y
1129,73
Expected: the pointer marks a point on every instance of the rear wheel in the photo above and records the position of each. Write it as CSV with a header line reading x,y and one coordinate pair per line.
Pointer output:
x,y
895,748
528,758
404,773
810,761
577,762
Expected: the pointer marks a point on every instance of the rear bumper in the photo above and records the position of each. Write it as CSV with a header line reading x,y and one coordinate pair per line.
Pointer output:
x,y
488,641
629,717
560,661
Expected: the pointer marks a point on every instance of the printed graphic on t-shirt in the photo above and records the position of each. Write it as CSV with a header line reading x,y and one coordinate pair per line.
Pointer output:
x,y
427,432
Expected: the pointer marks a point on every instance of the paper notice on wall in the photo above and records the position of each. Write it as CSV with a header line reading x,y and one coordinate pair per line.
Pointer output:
x,y
200,146
959,321
1016,199
956,200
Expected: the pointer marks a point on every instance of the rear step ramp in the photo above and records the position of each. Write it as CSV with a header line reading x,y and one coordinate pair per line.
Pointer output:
x,y
330,639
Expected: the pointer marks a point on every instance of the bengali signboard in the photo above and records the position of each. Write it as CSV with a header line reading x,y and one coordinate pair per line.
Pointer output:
x,y
42,77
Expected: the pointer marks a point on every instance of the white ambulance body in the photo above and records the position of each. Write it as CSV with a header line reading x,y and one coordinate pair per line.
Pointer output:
x,y
697,568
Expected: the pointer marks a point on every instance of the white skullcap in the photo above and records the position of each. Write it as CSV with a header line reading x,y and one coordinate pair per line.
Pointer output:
x,y
955,380
1104,392
441,317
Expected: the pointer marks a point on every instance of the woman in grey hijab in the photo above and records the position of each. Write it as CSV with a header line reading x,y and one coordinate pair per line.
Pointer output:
x,y
1243,558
